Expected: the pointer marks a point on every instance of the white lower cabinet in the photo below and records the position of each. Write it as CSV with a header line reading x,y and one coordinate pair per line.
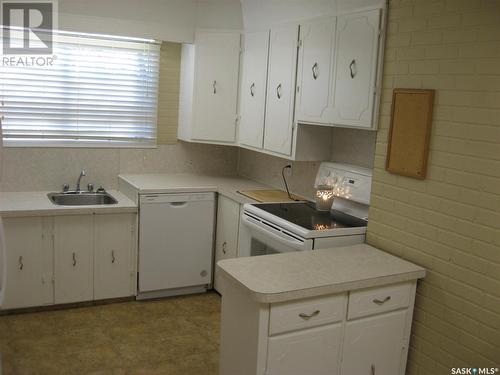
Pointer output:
x,y
361,332
114,260
73,258
314,351
375,345
28,263
226,242
67,259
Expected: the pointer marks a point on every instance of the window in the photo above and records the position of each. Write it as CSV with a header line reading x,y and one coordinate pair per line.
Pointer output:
x,y
100,91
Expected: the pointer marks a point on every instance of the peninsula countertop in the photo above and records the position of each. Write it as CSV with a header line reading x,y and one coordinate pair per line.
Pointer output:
x,y
36,203
295,275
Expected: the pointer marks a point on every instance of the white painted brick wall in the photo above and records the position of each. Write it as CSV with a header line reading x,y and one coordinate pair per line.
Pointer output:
x,y
449,223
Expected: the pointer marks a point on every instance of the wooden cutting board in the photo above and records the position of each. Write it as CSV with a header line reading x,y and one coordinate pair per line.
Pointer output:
x,y
267,196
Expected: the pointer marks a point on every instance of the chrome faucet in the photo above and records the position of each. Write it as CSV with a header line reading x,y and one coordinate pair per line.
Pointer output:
x,y
82,173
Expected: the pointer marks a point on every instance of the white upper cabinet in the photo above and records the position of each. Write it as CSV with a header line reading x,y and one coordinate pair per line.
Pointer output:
x,y
253,89
314,76
357,56
278,132
209,88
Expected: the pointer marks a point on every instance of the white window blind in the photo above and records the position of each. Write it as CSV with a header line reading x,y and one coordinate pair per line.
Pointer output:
x,y
100,91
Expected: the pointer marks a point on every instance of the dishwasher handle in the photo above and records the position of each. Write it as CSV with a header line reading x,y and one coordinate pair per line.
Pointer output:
x,y
179,204
178,200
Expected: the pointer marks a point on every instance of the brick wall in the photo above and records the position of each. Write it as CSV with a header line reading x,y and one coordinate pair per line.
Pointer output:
x,y
449,223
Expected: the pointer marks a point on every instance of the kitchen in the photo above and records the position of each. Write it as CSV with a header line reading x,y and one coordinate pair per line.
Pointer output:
x,y
234,93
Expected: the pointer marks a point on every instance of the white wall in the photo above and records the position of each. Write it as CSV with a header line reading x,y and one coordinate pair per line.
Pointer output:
x,y
170,20
219,14
260,14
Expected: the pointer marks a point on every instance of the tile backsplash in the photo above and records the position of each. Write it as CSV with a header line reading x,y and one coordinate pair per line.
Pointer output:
x,y
31,169
350,146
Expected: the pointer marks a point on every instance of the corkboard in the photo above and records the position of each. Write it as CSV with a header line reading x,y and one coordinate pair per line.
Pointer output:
x,y
410,131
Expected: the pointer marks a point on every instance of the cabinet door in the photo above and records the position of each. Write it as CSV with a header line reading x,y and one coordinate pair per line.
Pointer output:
x,y
216,86
253,89
73,250
374,346
114,255
278,132
28,260
356,68
314,351
226,243
315,69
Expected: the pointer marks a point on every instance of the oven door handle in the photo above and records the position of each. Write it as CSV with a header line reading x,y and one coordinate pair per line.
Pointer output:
x,y
275,234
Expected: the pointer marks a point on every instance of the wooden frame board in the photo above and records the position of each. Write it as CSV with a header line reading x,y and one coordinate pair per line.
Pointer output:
x,y
409,135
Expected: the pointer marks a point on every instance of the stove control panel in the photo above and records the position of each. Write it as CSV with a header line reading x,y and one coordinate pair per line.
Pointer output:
x,y
347,181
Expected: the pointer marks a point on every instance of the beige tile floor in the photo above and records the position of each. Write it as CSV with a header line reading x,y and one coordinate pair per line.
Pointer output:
x,y
171,336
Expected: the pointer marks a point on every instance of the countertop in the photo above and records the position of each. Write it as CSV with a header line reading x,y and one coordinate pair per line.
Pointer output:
x,y
36,203
191,183
289,276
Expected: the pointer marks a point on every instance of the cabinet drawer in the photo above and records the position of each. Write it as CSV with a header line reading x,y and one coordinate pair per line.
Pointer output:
x,y
378,300
308,313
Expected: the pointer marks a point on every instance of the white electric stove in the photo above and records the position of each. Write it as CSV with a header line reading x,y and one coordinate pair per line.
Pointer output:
x,y
269,228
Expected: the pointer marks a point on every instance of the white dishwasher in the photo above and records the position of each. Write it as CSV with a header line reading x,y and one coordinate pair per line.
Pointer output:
x,y
176,233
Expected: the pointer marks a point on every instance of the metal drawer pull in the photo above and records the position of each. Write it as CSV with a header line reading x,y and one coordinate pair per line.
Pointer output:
x,y
113,258
315,71
381,302
214,85
373,369
252,89
74,260
278,91
351,66
21,264
224,247
309,316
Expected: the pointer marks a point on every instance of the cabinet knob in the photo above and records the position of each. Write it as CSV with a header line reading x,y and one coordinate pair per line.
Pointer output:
x,y
224,247
309,316
113,258
21,264
315,71
252,89
278,91
214,86
74,260
382,301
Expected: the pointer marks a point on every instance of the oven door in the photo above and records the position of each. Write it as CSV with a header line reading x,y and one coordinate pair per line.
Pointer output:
x,y
260,237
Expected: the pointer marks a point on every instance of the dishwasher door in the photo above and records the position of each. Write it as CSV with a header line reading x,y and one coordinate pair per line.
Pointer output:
x,y
176,234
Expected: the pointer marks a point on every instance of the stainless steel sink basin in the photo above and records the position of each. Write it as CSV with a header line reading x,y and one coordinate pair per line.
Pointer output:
x,y
81,199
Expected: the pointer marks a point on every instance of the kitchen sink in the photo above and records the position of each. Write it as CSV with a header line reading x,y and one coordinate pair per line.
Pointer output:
x,y
81,198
